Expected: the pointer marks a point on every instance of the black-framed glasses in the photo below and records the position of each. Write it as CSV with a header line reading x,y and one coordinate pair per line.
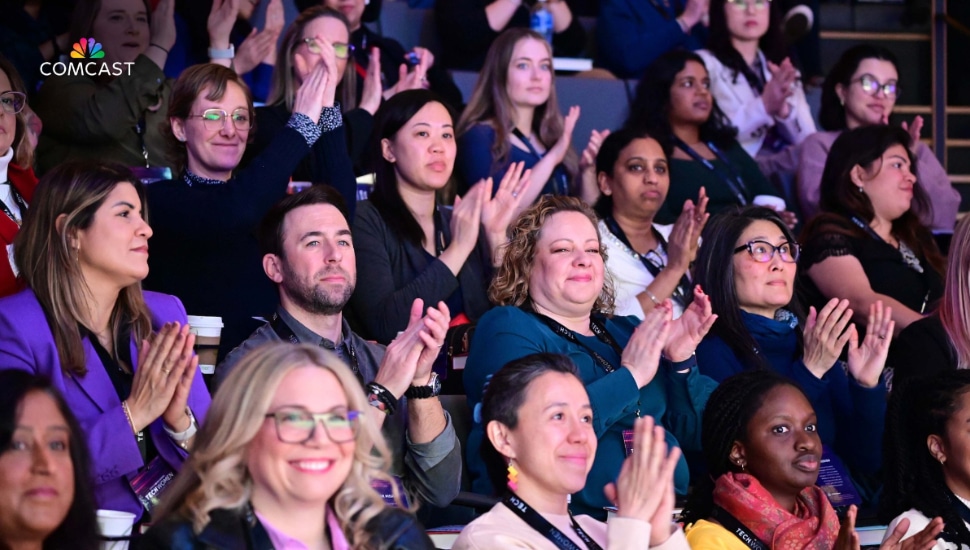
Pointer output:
x,y
299,425
744,4
341,49
13,102
872,86
215,119
763,251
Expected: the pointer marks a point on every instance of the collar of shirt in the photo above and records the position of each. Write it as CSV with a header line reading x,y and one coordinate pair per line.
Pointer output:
x,y
192,179
282,541
303,334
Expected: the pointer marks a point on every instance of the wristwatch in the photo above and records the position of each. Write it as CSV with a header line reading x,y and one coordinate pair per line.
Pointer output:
x,y
424,392
218,53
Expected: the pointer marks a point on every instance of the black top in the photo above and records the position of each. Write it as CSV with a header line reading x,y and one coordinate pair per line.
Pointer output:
x,y
922,348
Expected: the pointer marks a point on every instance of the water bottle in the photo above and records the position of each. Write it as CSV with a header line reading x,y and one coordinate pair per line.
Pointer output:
x,y
541,20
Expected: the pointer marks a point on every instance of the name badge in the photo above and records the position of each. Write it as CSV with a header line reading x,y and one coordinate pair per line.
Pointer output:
x,y
834,480
628,442
384,489
151,481
151,174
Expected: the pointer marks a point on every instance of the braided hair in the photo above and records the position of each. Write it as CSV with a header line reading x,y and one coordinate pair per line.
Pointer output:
x,y
913,478
726,417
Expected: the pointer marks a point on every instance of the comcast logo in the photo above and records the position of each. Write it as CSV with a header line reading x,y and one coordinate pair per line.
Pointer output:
x,y
87,48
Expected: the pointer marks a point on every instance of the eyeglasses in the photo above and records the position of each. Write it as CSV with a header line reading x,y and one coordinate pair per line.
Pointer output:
x,y
763,252
13,102
299,426
215,119
340,49
872,86
745,4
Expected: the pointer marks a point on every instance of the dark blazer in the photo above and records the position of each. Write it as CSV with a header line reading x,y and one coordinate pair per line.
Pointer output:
x,y
922,348
27,343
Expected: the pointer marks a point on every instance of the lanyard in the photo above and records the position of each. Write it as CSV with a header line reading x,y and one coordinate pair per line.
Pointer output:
x,y
683,286
733,180
665,9
738,529
542,525
909,258
21,204
140,129
560,184
286,333
598,329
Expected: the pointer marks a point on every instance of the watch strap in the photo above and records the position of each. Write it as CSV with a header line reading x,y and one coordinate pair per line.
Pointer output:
x,y
218,53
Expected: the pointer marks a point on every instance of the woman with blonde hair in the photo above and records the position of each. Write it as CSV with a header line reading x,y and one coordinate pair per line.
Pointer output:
x,y
941,341
287,458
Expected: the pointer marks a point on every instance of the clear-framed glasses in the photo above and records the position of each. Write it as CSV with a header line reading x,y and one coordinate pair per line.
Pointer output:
x,y
215,119
744,4
341,49
299,425
13,102
872,86
763,251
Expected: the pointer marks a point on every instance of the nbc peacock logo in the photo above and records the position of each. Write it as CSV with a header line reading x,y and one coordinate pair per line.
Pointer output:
x,y
87,48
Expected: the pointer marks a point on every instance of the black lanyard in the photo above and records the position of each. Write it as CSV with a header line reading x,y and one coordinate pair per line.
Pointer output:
x,y
550,531
738,529
665,9
598,329
682,291
286,333
560,184
872,233
733,180
21,204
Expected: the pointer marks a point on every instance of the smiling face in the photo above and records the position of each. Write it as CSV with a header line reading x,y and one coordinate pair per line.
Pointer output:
x,y
763,288
214,150
113,250
748,23
423,150
690,95
567,271
121,27
318,269
553,445
890,190
782,448
864,109
530,73
290,475
8,121
36,472
640,179
331,29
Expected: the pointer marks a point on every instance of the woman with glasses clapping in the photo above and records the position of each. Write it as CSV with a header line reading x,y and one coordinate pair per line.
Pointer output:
x,y
748,264
287,461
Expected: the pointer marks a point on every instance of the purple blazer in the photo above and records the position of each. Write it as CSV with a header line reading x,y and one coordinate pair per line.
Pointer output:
x,y
27,343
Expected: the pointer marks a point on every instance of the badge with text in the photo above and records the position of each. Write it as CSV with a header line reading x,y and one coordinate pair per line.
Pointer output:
x,y
628,442
833,478
151,481
384,489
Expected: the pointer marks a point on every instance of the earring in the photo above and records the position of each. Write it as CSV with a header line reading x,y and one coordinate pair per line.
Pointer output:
x,y
861,189
741,463
942,460
842,102
77,254
181,139
513,477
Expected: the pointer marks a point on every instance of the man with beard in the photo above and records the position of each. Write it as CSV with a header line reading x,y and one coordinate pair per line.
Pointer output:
x,y
309,254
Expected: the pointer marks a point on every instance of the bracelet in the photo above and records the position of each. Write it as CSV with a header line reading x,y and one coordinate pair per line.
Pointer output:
x,y
380,398
653,298
131,423
187,433
159,47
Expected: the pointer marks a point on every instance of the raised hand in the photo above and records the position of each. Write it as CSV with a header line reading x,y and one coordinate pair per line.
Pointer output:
x,y
222,17
163,24
914,130
867,361
254,49
684,237
409,357
689,329
310,95
371,95
160,385
588,160
924,540
825,336
569,124
642,352
499,210
780,88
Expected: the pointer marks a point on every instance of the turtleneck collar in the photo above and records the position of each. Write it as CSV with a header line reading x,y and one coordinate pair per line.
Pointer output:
x,y
192,179
5,161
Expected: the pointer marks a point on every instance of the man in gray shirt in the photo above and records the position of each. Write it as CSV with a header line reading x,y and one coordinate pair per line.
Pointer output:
x,y
309,254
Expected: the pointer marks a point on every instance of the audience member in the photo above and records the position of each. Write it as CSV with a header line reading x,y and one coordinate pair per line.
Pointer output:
x,y
869,244
513,116
32,33
674,103
748,264
555,297
648,262
319,36
399,69
925,457
46,500
631,35
861,90
111,118
85,323
940,341
286,459
309,254
409,246
17,179
204,250
467,28
762,449
755,83
540,421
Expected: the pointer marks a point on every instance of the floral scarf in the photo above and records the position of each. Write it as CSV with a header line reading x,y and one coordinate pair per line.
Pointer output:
x,y
813,525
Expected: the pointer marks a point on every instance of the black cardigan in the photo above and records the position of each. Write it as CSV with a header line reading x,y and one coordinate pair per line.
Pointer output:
x,y
922,348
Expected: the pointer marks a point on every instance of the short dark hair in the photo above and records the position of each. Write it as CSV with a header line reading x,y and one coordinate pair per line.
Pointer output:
x,y
609,152
831,116
79,529
729,410
270,231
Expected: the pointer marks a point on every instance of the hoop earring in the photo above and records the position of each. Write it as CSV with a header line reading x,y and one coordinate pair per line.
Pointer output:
x,y
513,482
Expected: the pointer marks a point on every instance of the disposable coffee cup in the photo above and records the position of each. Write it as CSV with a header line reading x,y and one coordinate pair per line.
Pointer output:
x,y
113,524
207,331
770,201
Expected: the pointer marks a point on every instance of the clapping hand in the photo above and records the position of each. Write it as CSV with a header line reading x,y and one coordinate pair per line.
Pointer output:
x,y
587,166
924,540
685,236
162,381
310,96
780,88
825,336
689,329
409,357
866,361
222,17
642,352
370,99
914,130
